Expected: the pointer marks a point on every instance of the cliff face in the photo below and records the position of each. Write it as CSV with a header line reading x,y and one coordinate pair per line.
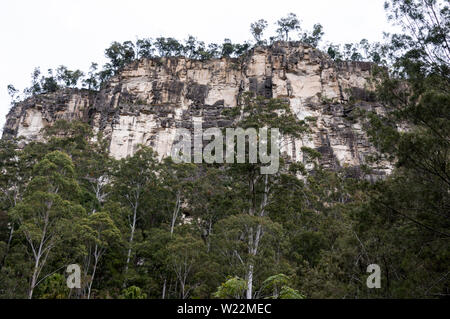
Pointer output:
x,y
150,99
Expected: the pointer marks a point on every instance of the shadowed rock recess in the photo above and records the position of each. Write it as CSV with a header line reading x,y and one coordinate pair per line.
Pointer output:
x,y
150,98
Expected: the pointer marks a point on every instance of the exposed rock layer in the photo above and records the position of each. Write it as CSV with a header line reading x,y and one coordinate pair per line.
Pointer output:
x,y
151,98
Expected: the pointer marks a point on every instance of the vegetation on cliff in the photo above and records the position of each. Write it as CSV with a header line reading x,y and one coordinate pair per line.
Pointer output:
x,y
121,54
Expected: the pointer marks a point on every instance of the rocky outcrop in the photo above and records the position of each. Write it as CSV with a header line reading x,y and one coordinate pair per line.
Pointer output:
x,y
27,118
151,98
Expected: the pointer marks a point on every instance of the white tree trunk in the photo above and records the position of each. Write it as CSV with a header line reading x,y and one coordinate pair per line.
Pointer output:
x,y
96,258
250,282
254,239
164,289
37,257
176,210
133,228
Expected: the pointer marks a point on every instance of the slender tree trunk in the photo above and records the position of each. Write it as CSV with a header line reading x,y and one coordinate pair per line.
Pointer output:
x,y
92,280
208,239
133,228
35,272
255,239
33,279
10,238
8,246
37,260
172,228
250,282
182,290
252,208
164,289
176,210
96,257
86,267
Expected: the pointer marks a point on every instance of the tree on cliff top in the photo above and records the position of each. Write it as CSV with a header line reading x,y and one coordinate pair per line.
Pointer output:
x,y
288,24
257,29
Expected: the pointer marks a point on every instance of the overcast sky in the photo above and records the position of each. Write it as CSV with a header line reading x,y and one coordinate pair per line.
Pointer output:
x,y
48,33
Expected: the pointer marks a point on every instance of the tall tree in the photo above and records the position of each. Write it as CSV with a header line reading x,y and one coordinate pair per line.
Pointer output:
x,y
186,255
288,24
100,233
414,133
133,181
257,29
47,209
257,113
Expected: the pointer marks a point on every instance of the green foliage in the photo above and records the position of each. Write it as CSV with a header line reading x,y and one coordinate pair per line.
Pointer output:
x,y
257,29
144,48
133,292
13,93
288,24
311,154
48,206
168,46
119,54
278,287
92,80
259,112
53,287
99,230
67,77
290,293
233,288
186,257
313,38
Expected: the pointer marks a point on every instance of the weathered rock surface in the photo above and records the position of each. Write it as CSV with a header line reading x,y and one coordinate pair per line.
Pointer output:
x,y
151,98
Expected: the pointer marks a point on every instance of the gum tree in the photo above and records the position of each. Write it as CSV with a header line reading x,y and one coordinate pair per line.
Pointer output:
x,y
48,208
288,24
257,29
100,233
133,182
255,188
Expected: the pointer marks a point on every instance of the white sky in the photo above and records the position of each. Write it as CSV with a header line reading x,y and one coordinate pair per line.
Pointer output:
x,y
48,33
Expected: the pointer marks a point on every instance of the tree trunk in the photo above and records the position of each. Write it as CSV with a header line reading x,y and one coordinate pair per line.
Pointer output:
x,y
176,210
96,257
208,239
8,246
133,228
250,282
254,240
164,289
38,256
182,290
35,274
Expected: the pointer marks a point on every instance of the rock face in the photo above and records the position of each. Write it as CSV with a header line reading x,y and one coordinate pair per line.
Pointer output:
x,y
151,98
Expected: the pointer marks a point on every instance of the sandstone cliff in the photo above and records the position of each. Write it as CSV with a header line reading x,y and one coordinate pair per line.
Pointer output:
x,y
150,98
